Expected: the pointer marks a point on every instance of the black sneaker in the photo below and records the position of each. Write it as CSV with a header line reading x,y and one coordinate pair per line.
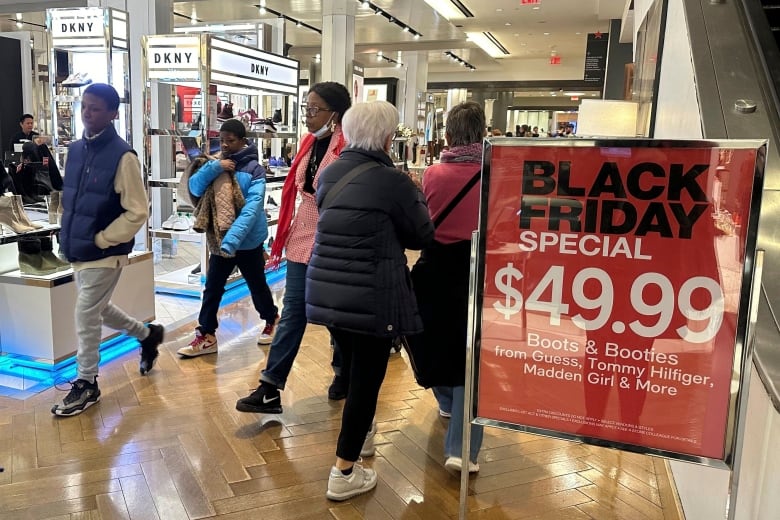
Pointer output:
x,y
149,351
265,399
338,388
82,395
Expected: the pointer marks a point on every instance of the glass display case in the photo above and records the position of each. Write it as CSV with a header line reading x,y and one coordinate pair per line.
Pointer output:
x,y
211,80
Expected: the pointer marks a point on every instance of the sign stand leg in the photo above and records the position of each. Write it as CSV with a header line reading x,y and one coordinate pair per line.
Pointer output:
x,y
468,391
747,366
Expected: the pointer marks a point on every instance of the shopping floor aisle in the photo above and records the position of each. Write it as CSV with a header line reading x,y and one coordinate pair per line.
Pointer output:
x,y
172,446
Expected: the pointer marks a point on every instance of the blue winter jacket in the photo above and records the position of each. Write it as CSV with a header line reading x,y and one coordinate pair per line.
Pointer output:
x,y
250,229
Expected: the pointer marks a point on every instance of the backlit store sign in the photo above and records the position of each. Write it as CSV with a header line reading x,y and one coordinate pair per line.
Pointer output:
x,y
77,27
173,59
252,68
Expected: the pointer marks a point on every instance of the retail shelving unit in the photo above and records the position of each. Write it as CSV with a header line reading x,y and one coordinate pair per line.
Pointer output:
x,y
216,72
96,43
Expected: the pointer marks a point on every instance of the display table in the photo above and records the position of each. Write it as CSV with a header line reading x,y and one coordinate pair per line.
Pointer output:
x,y
36,313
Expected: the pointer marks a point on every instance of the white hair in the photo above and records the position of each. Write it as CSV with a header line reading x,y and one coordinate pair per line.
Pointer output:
x,y
369,125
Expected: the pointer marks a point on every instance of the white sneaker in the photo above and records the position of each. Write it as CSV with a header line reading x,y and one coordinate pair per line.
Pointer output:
x,y
368,449
181,223
168,224
456,464
201,345
342,487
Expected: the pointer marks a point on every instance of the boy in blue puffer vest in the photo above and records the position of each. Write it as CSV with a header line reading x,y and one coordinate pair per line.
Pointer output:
x,y
104,205
242,243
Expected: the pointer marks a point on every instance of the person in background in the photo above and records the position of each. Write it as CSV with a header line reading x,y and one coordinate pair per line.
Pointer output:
x,y
236,243
535,132
498,133
445,315
326,104
26,122
357,283
104,205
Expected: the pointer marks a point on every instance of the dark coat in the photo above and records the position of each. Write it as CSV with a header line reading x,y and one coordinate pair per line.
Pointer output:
x,y
89,201
357,278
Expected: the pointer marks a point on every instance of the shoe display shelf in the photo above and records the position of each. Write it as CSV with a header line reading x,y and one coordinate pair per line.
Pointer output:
x,y
36,312
95,40
215,72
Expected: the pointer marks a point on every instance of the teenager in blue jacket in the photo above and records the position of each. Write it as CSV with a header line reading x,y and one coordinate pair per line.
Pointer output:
x,y
242,244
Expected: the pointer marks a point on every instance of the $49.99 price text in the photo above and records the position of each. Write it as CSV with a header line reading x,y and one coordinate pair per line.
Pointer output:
x,y
514,301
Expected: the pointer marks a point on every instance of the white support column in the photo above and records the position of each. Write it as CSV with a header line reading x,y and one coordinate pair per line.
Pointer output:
x,y
338,40
416,85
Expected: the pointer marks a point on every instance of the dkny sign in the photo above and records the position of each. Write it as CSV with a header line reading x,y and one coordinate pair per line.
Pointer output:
x,y
77,23
166,57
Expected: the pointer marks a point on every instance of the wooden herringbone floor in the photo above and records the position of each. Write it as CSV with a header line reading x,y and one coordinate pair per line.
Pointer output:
x,y
172,446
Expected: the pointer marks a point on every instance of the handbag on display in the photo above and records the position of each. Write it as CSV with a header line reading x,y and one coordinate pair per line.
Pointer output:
x,y
431,360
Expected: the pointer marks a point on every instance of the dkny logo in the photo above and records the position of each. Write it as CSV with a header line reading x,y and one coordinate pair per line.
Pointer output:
x,y
173,57
77,27
260,70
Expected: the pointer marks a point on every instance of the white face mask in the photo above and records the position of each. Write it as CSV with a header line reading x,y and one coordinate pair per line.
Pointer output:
x,y
327,127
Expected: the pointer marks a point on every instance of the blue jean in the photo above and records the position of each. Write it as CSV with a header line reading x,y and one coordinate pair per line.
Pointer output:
x,y
453,440
443,395
290,330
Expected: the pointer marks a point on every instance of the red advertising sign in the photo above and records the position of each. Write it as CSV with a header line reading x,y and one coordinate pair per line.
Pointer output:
x,y
610,300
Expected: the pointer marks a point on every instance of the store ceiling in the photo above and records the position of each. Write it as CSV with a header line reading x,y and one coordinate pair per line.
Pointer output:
x,y
529,32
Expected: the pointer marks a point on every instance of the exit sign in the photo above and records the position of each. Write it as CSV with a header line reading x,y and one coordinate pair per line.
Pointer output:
x,y
555,60
530,2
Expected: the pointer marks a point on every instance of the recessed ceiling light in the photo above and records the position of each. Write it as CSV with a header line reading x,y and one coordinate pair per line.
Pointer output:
x,y
507,24
574,93
578,33
547,34
536,8
517,34
499,10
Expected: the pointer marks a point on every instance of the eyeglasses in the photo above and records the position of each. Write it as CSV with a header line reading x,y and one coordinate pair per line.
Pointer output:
x,y
313,111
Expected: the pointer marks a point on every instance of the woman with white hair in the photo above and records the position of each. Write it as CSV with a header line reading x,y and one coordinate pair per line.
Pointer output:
x,y
357,283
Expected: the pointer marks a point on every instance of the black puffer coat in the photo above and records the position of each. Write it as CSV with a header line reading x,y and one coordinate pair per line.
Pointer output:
x,y
357,278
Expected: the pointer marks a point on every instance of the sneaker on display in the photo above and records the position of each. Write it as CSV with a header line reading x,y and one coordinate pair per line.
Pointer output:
x,y
149,347
267,335
82,395
368,449
181,223
77,79
226,113
201,345
342,487
268,126
456,464
250,115
168,224
265,399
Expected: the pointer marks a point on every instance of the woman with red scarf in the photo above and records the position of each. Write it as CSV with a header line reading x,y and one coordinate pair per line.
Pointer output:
x,y
325,106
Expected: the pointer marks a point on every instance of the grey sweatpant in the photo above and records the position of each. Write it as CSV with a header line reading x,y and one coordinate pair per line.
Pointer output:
x,y
93,309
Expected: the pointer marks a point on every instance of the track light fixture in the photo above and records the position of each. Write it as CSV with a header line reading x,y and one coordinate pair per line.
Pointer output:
x,y
460,60
381,57
279,14
390,18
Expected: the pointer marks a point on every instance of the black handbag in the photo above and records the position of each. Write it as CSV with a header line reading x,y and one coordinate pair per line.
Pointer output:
x,y
428,358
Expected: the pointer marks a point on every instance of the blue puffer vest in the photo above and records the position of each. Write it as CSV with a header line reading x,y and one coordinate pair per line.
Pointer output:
x,y
89,201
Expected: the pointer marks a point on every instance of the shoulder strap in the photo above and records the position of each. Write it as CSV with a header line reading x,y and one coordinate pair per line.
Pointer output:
x,y
454,202
349,176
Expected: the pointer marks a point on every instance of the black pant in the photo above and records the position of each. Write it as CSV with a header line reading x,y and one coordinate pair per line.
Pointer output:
x,y
251,264
365,360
